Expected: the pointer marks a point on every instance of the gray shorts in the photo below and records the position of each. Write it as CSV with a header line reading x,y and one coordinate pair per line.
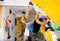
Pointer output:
x,y
7,29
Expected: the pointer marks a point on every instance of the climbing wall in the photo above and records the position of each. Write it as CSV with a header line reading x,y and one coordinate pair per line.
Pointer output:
x,y
42,5
50,7
47,34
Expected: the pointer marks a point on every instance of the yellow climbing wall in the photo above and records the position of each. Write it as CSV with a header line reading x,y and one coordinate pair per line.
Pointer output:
x,y
47,34
18,25
51,8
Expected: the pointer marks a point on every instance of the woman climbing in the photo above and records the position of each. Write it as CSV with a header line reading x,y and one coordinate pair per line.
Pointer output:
x,y
33,25
8,25
24,20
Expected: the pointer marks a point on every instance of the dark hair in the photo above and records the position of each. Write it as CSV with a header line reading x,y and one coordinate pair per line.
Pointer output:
x,y
9,20
10,11
40,19
23,12
48,23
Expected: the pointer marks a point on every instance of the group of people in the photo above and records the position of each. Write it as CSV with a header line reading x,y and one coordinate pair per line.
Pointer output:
x,y
32,25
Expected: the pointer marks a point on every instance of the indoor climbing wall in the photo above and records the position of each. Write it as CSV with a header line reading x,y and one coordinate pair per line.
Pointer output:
x,y
51,8
47,35
18,25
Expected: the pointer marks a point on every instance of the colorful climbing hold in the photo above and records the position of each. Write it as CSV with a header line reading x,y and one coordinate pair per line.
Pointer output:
x,y
30,3
10,11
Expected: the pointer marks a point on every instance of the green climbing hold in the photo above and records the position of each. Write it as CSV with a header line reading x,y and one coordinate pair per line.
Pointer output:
x,y
58,28
55,26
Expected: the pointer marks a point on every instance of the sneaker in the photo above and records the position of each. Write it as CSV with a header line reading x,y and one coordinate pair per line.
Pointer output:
x,y
8,37
15,39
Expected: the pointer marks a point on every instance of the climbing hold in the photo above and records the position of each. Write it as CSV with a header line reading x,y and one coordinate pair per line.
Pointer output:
x,y
55,26
10,11
51,29
36,4
43,17
39,6
23,12
58,29
48,18
30,3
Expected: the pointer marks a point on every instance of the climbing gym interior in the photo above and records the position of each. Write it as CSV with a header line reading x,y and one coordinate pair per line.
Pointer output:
x,y
15,25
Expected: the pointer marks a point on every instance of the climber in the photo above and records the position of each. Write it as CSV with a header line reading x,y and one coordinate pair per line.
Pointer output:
x,y
8,25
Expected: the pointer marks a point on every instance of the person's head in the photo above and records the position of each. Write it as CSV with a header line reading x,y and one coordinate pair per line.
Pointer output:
x,y
8,19
37,15
40,19
30,3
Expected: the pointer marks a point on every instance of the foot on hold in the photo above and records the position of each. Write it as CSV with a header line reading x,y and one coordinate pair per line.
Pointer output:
x,y
58,39
8,37
15,39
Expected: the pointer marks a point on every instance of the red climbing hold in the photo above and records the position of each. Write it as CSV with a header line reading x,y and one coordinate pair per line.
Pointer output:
x,y
48,18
